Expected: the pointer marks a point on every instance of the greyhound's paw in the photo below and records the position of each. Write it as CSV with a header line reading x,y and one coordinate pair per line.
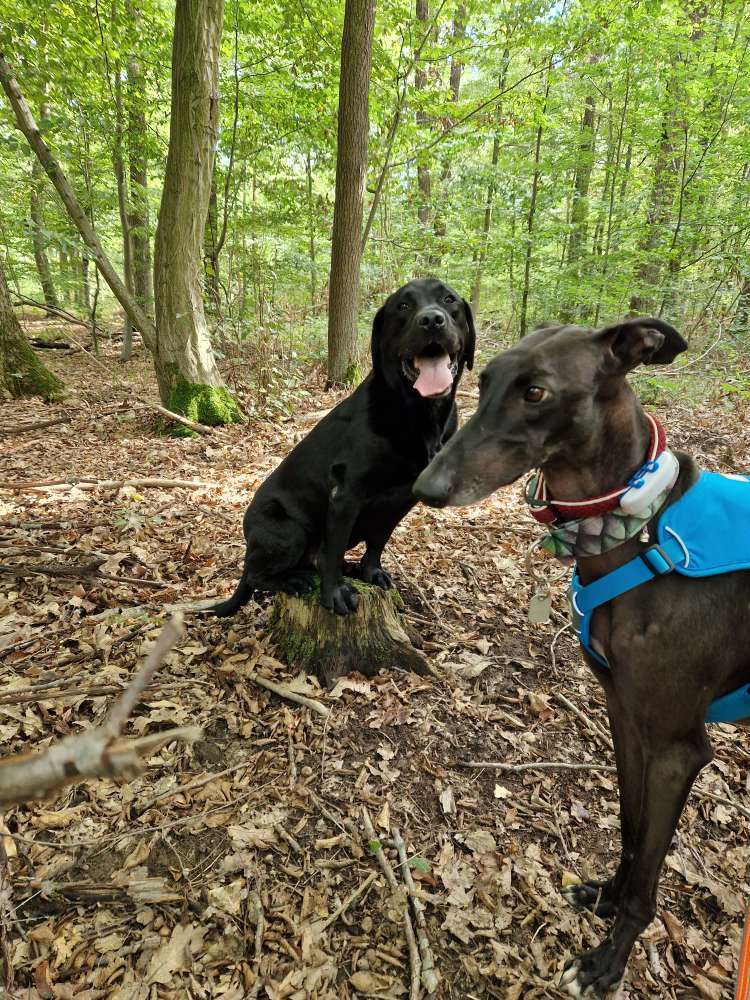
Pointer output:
x,y
594,974
598,897
377,577
341,600
299,582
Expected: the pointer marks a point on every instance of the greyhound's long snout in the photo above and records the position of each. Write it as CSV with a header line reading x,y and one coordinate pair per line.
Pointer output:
x,y
433,486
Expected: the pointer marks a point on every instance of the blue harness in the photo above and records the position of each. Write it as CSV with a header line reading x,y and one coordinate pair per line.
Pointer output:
x,y
705,533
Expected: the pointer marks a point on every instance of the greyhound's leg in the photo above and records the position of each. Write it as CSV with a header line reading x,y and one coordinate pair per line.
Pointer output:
x,y
603,897
671,768
343,508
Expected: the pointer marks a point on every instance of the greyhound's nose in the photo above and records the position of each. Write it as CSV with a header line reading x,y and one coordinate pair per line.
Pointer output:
x,y
433,487
432,318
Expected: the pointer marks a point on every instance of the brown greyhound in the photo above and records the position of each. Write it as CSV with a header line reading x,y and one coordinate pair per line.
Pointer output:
x,y
559,402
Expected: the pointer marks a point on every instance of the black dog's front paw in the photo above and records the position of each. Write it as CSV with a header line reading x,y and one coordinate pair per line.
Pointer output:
x,y
377,576
594,973
341,600
598,897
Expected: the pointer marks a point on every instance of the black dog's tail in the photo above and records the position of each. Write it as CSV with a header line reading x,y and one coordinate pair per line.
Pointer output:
x,y
238,600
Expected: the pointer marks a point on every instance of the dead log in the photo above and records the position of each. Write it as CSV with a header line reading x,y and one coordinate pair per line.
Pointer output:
x,y
310,638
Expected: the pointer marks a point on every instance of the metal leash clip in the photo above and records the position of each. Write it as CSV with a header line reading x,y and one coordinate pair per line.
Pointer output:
x,y
540,605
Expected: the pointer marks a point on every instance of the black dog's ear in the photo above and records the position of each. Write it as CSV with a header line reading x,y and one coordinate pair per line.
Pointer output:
x,y
471,340
640,341
377,330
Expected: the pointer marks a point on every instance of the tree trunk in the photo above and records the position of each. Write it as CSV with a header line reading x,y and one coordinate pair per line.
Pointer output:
x,y
660,205
118,164
476,292
311,229
37,224
21,371
532,212
351,173
579,212
27,125
138,217
312,639
424,177
189,380
211,241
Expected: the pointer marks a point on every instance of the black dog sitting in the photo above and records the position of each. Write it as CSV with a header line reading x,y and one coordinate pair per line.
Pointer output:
x,y
351,478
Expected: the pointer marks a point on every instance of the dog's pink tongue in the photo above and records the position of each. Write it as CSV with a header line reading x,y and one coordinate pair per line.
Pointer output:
x,y
435,375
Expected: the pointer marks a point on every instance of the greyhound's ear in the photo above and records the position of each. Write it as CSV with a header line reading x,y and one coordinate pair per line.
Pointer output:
x,y
471,340
377,330
640,341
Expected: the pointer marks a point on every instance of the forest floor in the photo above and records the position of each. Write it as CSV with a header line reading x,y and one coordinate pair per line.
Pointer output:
x,y
228,868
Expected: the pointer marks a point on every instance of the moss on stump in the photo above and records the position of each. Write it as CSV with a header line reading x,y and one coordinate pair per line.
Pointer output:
x,y
329,645
205,404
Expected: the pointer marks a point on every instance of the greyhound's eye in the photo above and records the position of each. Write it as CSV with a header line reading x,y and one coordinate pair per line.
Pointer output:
x,y
403,306
449,298
535,394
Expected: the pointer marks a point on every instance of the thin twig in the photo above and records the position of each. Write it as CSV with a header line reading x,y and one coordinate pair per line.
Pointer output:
x,y
285,692
539,765
588,723
349,900
87,483
430,978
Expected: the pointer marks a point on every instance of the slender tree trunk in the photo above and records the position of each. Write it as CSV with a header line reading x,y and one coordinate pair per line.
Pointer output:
x,y
351,173
311,228
440,226
37,223
26,123
138,217
659,210
476,291
118,163
532,212
579,211
185,365
424,177
21,371
211,241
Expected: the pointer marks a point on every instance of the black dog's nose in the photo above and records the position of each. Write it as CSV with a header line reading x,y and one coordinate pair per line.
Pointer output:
x,y
432,317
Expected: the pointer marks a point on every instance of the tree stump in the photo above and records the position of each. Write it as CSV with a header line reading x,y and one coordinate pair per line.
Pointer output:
x,y
330,645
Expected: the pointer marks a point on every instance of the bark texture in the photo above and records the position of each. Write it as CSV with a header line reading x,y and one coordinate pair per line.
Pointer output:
x,y
328,645
37,226
351,173
21,371
27,125
185,365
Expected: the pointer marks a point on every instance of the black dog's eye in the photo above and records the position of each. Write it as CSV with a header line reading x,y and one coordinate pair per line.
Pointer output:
x,y
535,394
449,298
403,306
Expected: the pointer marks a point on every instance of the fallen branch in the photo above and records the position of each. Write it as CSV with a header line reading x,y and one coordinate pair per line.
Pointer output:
x,y
89,571
283,691
592,726
540,765
430,978
87,483
63,314
25,428
415,963
95,754
198,428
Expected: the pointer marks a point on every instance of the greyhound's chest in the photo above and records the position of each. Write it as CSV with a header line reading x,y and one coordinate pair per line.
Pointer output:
x,y
706,533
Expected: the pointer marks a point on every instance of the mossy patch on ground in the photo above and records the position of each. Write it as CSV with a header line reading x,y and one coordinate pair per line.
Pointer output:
x,y
205,404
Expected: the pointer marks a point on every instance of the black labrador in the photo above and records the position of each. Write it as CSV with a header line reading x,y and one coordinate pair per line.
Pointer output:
x,y
559,401
350,480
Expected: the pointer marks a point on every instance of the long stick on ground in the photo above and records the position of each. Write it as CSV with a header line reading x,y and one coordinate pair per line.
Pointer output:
x,y
415,963
87,483
96,753
430,978
537,765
